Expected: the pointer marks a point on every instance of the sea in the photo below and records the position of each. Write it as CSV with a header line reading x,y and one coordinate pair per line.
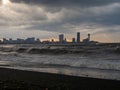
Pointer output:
x,y
96,61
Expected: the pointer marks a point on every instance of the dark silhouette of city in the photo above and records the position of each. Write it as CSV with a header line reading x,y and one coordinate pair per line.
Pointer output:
x,y
62,40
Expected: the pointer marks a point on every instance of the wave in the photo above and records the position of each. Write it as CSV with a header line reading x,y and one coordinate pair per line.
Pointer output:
x,y
52,63
64,51
60,50
51,51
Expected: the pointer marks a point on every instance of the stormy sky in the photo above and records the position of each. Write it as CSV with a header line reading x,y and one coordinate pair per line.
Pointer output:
x,y
47,19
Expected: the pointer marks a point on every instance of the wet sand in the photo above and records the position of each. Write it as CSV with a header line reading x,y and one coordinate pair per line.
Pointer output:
x,y
11,79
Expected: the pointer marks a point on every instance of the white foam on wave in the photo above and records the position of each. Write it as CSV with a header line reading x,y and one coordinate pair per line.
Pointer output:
x,y
82,72
102,65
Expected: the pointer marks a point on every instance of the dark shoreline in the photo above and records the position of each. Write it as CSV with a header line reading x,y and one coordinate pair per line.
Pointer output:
x,y
11,79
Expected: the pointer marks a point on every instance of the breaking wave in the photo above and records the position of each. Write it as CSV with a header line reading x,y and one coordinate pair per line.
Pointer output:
x,y
91,60
59,50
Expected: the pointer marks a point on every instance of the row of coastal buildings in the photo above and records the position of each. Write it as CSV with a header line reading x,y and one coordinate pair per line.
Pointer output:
x,y
61,40
75,40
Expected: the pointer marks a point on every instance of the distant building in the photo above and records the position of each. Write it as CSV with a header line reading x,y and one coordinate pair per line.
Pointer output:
x,y
65,40
30,40
5,41
52,41
19,41
78,37
38,41
46,42
87,40
88,36
10,41
61,38
73,40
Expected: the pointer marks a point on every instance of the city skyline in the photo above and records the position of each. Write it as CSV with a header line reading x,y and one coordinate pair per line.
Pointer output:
x,y
47,19
61,40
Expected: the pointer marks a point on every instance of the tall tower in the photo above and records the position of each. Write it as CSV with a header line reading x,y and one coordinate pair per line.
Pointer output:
x,y
88,37
78,37
61,38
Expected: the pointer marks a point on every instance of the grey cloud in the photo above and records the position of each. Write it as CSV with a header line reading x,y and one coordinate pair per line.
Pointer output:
x,y
68,2
107,30
106,15
64,16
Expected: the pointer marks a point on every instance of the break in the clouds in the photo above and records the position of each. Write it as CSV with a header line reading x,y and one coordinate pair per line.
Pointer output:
x,y
48,18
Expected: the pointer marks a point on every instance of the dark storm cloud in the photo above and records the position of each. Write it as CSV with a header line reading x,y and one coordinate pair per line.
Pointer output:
x,y
69,2
103,12
57,5
63,16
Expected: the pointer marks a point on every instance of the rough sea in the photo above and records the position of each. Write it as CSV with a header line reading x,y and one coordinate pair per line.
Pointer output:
x,y
86,61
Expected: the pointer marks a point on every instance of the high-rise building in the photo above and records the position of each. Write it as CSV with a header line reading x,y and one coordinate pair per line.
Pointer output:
x,y
78,37
61,38
88,36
